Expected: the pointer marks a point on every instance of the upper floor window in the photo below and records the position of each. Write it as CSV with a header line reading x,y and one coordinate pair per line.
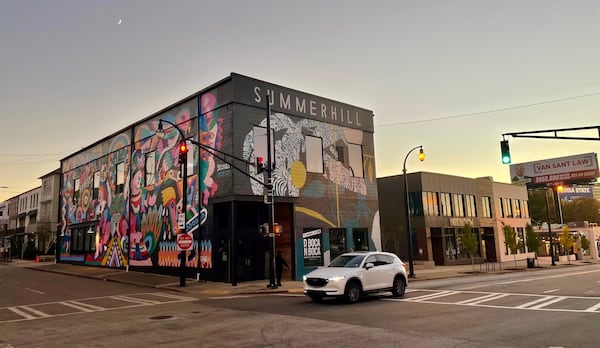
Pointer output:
x,y
96,185
355,160
486,207
314,154
524,209
76,191
506,205
458,204
517,208
430,204
150,167
445,204
470,205
120,178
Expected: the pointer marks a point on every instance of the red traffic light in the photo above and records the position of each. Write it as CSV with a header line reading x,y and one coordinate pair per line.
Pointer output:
x,y
260,164
183,147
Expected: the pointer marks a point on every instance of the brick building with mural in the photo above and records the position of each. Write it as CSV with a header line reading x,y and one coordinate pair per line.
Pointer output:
x,y
120,197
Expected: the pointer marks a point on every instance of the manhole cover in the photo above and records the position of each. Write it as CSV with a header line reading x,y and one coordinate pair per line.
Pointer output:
x,y
161,317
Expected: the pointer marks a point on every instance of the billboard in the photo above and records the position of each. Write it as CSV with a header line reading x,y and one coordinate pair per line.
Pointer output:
x,y
570,193
565,170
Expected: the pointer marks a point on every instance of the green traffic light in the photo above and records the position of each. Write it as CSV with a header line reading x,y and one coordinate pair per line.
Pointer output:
x,y
504,148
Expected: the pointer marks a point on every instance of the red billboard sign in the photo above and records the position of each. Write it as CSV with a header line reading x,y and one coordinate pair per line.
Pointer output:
x,y
564,170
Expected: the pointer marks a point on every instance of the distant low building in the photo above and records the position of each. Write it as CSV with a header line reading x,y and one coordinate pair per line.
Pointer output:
x,y
440,205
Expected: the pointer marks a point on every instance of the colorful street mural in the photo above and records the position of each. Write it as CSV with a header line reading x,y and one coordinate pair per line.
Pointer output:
x,y
290,175
136,223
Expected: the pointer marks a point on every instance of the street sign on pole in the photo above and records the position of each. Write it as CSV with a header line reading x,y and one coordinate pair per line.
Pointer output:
x,y
181,220
184,241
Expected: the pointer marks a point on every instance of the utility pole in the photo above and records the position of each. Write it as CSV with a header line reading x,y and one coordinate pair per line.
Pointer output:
x,y
271,203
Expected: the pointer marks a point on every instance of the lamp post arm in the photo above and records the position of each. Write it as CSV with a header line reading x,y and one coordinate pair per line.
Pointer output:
x,y
408,154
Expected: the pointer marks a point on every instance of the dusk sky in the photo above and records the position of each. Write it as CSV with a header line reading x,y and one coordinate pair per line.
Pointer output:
x,y
452,76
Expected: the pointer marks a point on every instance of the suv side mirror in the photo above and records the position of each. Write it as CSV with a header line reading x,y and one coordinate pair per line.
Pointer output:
x,y
369,265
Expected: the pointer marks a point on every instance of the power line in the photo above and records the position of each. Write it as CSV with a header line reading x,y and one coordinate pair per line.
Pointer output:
x,y
488,111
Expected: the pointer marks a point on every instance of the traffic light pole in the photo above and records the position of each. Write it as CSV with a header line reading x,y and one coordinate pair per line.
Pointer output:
x,y
182,162
271,203
182,254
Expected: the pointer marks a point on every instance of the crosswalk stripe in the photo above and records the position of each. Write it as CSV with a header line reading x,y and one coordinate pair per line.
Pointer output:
x,y
593,308
534,302
35,311
135,300
432,296
482,299
17,311
544,304
467,301
86,307
173,296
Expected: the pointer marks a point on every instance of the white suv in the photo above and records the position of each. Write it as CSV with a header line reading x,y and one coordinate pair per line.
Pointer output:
x,y
351,275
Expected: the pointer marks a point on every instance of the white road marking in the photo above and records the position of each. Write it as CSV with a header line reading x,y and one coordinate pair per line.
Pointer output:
x,y
31,312
544,304
36,291
35,311
536,301
136,300
529,279
17,311
593,308
483,299
549,291
432,296
85,307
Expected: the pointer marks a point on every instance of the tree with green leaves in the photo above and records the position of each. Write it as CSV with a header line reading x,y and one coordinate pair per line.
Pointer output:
x,y
585,244
566,241
470,242
532,240
510,240
581,209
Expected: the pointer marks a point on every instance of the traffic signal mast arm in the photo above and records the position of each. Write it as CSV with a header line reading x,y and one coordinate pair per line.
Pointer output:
x,y
533,134
213,151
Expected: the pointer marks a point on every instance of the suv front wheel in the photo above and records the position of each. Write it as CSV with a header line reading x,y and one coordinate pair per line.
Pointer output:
x,y
353,291
399,286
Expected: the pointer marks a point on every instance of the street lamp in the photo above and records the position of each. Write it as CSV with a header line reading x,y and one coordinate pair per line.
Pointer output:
x,y
411,273
549,228
559,189
183,162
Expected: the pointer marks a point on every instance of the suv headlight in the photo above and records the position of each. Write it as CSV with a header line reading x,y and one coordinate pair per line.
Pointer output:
x,y
336,279
304,277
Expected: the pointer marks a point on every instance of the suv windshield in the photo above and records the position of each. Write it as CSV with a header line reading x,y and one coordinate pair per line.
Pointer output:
x,y
347,261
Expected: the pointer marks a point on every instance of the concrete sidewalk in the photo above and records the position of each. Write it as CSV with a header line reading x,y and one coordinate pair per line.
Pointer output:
x,y
206,288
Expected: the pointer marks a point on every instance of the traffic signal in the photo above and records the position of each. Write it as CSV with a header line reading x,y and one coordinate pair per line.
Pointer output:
x,y
505,151
277,229
260,164
183,150
263,229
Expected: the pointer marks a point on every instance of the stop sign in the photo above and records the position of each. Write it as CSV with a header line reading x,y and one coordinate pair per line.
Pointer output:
x,y
184,241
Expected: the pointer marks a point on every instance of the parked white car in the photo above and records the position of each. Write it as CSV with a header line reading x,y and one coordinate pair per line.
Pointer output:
x,y
352,275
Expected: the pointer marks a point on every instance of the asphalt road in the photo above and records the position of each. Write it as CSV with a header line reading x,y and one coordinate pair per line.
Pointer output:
x,y
550,308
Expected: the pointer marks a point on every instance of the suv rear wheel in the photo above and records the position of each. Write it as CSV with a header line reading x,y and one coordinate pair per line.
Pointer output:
x,y
353,291
399,286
